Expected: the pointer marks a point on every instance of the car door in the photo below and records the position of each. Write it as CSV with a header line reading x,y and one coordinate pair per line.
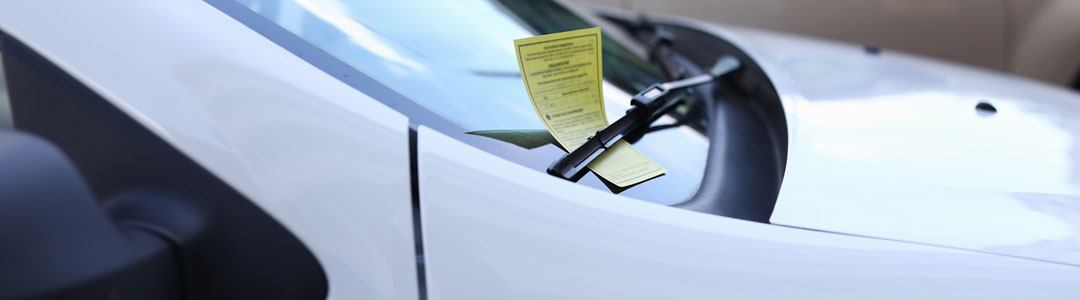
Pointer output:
x,y
305,179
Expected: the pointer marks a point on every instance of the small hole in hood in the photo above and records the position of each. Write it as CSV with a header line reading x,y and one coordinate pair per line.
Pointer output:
x,y
985,109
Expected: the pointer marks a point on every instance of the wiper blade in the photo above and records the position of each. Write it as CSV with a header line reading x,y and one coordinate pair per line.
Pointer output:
x,y
647,106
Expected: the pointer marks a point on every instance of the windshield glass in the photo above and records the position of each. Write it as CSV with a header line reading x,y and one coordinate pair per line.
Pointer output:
x,y
456,59
621,66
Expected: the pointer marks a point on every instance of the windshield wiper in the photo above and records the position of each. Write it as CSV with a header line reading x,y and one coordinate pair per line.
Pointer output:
x,y
647,106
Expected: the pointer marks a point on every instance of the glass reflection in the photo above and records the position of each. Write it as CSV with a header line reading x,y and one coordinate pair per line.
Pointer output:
x,y
456,59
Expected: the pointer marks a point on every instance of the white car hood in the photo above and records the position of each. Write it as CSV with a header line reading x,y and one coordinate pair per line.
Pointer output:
x,y
891,146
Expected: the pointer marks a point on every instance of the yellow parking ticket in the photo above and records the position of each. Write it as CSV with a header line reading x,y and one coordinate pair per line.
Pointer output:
x,y
564,77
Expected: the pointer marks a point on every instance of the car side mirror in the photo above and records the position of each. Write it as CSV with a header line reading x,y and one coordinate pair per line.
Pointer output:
x,y
143,221
58,242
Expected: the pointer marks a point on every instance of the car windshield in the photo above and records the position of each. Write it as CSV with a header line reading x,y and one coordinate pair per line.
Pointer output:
x,y
456,59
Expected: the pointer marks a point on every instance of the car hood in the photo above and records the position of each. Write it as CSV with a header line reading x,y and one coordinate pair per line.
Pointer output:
x,y
889,145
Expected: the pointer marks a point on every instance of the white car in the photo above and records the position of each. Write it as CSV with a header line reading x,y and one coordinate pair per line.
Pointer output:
x,y
308,149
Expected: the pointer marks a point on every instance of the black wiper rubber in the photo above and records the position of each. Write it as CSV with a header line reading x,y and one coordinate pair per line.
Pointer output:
x,y
647,105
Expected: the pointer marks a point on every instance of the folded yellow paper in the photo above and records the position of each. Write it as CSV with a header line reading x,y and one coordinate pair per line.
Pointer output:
x,y
563,74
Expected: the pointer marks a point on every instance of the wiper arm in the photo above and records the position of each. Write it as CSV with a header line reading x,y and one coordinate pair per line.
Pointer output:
x,y
647,105
659,42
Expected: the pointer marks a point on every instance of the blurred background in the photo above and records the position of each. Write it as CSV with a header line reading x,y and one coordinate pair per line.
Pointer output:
x,y
1038,39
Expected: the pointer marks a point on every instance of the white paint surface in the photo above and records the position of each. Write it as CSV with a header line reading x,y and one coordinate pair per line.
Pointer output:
x,y
497,230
